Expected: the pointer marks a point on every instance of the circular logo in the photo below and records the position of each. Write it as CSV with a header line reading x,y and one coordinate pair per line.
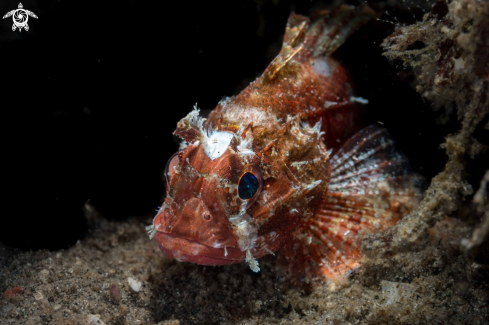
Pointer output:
x,y
20,17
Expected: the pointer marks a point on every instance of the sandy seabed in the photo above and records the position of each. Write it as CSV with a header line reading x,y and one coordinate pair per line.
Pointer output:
x,y
431,268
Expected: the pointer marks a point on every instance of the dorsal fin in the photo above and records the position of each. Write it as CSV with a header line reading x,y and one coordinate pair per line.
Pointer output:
x,y
332,29
297,26
325,35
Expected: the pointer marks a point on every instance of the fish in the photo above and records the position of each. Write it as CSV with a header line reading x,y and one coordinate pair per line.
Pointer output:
x,y
288,166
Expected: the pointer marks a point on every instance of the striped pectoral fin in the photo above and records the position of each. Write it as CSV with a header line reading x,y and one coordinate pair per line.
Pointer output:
x,y
318,253
372,186
371,179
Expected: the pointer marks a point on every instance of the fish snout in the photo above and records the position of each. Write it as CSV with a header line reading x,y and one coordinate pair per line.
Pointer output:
x,y
197,223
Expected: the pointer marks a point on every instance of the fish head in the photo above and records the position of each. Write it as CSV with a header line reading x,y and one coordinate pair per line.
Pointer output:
x,y
210,186
226,202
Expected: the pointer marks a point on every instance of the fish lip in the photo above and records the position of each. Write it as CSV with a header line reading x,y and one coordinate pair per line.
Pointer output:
x,y
196,252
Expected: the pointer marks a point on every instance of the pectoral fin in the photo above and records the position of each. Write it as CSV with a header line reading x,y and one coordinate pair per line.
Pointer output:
x,y
372,186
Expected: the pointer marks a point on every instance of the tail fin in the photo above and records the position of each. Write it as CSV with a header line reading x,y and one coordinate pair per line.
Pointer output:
x,y
372,186
324,36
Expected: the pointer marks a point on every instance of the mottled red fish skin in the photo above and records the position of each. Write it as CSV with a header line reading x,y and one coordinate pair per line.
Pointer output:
x,y
302,89
309,88
326,179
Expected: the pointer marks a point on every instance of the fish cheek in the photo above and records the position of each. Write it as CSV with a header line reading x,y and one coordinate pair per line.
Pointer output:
x,y
283,222
276,191
187,188
222,187
220,199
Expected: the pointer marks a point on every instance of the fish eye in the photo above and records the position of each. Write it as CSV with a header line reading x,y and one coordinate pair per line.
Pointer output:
x,y
249,185
170,167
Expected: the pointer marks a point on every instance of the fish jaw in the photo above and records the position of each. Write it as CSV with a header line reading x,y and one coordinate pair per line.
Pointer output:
x,y
184,250
197,235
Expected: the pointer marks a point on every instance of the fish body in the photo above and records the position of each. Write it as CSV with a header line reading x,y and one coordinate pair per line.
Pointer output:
x,y
286,166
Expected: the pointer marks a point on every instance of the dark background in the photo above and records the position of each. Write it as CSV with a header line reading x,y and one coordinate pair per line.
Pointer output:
x,y
92,92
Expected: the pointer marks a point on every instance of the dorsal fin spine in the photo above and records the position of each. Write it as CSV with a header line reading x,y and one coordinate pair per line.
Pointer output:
x,y
324,36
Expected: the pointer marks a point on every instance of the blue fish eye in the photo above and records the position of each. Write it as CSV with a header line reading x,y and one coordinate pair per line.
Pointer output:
x,y
247,186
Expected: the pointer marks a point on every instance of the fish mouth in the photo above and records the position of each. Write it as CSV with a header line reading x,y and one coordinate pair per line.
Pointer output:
x,y
185,250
